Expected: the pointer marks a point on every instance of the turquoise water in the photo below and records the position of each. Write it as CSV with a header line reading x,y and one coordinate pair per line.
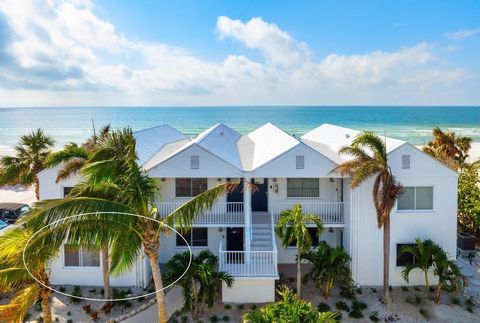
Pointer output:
x,y
413,124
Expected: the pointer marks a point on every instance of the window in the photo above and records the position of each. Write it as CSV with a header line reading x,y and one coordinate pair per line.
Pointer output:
x,y
81,256
303,187
313,234
195,162
416,198
406,258
300,162
196,237
66,191
405,161
189,187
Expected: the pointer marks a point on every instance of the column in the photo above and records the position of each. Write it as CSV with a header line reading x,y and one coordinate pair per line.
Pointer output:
x,y
247,209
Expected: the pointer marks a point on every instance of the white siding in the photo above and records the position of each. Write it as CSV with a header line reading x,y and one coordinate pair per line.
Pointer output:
x,y
51,190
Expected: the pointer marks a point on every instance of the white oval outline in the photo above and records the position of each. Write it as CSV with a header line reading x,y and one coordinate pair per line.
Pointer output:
x,y
109,299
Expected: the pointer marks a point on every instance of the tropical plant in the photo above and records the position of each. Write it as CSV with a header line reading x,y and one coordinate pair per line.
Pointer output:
x,y
14,277
199,284
292,226
469,199
73,156
448,273
423,253
290,308
448,147
113,170
328,266
30,154
71,159
370,159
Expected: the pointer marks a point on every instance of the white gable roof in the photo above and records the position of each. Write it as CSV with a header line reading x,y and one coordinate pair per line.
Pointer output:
x,y
336,137
151,140
264,144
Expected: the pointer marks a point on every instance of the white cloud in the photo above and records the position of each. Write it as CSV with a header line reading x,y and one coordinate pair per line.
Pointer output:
x,y
63,54
277,45
462,34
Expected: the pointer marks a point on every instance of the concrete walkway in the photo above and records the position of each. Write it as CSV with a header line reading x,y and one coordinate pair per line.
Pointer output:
x,y
174,302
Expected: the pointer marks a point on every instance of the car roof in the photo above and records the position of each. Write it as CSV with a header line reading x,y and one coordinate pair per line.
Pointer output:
x,y
11,206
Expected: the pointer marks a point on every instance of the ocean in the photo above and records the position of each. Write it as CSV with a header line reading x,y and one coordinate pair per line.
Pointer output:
x,y
410,123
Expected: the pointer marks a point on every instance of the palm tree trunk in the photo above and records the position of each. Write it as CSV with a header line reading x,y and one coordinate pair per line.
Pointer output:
x,y
426,284
386,260
438,292
105,272
46,310
36,186
299,273
157,280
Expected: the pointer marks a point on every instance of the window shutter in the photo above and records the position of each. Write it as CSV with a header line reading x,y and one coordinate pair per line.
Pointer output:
x,y
300,162
195,162
405,161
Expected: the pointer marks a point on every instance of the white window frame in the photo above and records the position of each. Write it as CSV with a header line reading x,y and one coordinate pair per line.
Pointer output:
x,y
300,162
302,197
191,240
195,162
432,210
406,158
191,186
80,267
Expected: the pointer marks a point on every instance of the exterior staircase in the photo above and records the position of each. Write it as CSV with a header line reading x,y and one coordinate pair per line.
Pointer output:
x,y
262,239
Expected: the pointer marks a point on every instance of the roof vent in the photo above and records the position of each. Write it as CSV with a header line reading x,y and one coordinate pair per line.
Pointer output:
x,y
347,135
221,133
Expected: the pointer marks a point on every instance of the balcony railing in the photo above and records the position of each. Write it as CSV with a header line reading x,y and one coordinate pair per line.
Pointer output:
x,y
220,213
329,212
248,263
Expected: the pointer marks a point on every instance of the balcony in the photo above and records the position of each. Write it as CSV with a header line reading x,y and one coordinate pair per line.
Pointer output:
x,y
248,263
331,213
230,213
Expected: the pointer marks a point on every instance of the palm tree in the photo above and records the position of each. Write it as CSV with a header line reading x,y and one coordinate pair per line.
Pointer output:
x,y
199,284
329,266
113,170
290,308
72,158
370,159
30,155
448,273
14,277
292,226
448,147
422,253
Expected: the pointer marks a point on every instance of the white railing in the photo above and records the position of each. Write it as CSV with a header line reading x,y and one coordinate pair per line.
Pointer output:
x,y
248,263
329,212
220,213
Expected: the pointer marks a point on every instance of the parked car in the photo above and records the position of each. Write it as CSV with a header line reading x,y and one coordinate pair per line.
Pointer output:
x,y
10,212
3,225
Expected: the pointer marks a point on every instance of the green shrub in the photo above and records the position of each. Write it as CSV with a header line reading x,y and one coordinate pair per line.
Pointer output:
x,y
184,319
338,316
359,305
62,289
323,307
69,313
390,288
226,318
38,306
214,319
342,306
425,313
347,292
129,291
455,300
359,290
356,313
414,300
416,288
253,307
432,289
374,316
469,304
374,290
405,288
93,290
227,307
240,307
77,291
69,321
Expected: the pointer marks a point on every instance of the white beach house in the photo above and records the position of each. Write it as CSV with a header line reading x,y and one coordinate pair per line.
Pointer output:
x,y
286,169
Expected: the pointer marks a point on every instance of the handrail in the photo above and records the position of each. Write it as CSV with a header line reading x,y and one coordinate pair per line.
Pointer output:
x,y
220,213
328,212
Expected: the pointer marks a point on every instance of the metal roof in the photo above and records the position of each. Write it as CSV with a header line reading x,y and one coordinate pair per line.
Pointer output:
x,y
11,206
151,140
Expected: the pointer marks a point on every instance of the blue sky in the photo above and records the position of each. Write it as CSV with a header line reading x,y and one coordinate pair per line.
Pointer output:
x,y
108,52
